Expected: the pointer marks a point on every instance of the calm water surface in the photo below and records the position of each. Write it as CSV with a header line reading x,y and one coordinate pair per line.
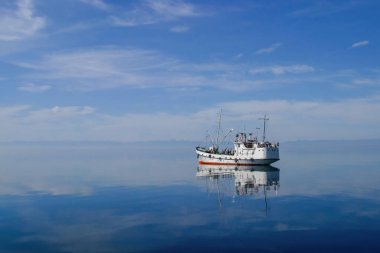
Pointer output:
x,y
106,197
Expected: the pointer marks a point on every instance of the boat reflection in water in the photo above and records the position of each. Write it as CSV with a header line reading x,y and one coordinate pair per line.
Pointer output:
x,y
255,181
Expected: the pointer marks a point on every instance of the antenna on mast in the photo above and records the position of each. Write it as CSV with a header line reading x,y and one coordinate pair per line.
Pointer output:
x,y
265,119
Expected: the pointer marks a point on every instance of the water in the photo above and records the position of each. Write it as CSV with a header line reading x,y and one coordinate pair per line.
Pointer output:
x,y
147,197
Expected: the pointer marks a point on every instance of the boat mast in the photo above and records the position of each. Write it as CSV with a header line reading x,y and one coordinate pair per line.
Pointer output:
x,y
217,137
265,119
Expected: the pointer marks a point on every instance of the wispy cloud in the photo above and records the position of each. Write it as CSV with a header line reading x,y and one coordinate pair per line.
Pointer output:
x,y
112,68
27,112
107,68
61,112
151,12
360,44
20,22
100,4
31,87
179,29
320,8
367,81
279,69
270,49
134,18
104,68
173,8
359,83
13,111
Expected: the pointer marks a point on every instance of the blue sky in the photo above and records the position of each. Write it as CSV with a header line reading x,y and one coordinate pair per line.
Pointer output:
x,y
161,70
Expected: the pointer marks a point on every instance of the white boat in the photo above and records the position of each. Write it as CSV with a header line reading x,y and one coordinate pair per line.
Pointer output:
x,y
247,151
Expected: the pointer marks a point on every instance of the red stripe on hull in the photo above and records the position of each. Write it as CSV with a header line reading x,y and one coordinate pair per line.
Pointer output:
x,y
236,164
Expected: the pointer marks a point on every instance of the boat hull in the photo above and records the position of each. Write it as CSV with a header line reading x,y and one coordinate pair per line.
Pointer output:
x,y
205,158
240,162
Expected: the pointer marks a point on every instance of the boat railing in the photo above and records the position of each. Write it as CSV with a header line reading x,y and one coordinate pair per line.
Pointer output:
x,y
226,151
267,145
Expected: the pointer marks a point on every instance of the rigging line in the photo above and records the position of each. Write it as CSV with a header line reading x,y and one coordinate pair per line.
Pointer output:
x,y
219,122
265,119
